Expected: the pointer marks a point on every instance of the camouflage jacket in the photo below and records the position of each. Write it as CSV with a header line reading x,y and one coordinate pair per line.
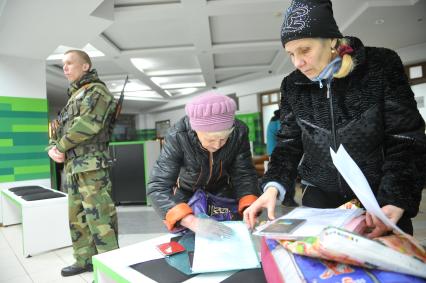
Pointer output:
x,y
85,124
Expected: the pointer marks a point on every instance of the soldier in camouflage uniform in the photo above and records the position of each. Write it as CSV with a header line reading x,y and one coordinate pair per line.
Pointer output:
x,y
81,141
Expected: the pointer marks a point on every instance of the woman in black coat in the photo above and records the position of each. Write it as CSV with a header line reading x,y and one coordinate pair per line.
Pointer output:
x,y
344,93
206,150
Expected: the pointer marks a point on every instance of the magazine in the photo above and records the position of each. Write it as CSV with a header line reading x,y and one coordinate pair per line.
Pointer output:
x,y
373,253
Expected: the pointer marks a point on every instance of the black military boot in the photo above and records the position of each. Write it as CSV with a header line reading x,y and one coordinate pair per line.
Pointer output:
x,y
75,269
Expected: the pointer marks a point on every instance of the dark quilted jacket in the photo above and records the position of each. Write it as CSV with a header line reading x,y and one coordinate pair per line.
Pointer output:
x,y
375,117
184,161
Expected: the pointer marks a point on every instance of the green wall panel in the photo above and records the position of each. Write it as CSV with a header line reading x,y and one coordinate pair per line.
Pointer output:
x,y
146,134
6,142
21,114
253,122
4,107
25,104
24,162
7,178
6,171
21,148
33,138
29,128
23,138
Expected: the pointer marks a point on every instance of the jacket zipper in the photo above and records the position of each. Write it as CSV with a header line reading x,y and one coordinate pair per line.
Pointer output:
x,y
211,166
333,128
333,131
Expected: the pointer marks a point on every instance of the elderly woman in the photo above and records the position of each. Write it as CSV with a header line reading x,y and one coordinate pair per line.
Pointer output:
x,y
207,151
343,92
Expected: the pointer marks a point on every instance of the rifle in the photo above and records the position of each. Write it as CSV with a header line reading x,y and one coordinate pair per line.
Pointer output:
x,y
119,103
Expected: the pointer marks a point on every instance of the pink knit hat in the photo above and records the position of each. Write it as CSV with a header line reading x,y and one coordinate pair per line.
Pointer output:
x,y
211,112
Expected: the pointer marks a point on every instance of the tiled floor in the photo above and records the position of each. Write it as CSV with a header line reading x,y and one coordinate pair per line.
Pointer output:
x,y
46,267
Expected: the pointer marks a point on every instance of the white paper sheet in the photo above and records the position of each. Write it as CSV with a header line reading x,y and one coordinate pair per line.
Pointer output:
x,y
235,253
359,184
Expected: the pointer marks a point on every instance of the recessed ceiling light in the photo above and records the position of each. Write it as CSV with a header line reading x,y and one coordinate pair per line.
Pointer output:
x,y
139,95
174,72
58,54
379,21
142,64
134,85
188,90
160,80
183,85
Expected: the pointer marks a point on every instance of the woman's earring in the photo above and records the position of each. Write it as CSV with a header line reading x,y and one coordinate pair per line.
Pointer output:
x,y
333,50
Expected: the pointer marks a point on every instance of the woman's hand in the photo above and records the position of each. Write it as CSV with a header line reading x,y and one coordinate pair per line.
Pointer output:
x,y
266,200
207,227
377,227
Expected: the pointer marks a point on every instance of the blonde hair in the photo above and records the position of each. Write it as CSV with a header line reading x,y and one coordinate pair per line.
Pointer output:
x,y
348,63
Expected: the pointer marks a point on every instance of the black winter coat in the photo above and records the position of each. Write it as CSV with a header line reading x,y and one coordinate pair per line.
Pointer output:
x,y
184,166
372,112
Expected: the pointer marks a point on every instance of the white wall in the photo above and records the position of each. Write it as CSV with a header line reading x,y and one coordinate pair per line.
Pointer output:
x,y
420,92
248,104
147,120
172,115
144,121
245,91
21,77
242,89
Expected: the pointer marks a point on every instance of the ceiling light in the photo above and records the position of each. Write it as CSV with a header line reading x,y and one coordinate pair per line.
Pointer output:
x,y
188,90
138,98
142,64
160,80
174,72
183,85
133,85
379,21
58,54
132,95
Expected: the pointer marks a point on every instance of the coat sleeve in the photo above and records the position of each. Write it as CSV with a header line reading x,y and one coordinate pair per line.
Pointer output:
x,y
282,167
243,174
94,109
405,143
271,136
163,178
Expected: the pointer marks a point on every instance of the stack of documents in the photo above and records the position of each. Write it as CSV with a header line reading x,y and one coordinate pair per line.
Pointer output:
x,y
359,185
304,222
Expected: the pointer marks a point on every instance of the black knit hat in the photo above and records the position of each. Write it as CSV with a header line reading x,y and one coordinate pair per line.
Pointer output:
x,y
309,19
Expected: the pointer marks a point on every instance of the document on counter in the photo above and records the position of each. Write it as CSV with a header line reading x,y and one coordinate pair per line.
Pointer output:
x,y
310,222
359,185
237,252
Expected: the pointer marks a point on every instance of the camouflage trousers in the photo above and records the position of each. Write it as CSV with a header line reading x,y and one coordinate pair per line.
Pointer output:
x,y
92,214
